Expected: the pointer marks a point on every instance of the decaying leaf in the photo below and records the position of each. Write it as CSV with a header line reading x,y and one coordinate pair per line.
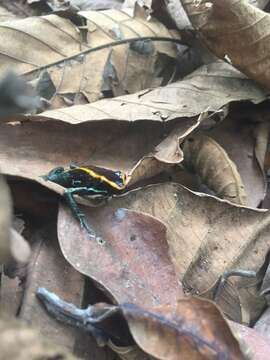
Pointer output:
x,y
236,31
206,237
135,255
211,163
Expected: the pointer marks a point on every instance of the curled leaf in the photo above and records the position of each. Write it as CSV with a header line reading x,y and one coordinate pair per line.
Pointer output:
x,y
216,170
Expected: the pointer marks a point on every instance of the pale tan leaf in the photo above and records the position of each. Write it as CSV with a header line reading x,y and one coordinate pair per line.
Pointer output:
x,y
39,43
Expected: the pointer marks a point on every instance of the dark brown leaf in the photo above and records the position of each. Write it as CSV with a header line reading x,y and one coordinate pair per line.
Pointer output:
x,y
192,329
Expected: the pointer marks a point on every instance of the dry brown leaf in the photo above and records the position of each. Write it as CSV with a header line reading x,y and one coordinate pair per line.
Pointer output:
x,y
206,237
135,256
216,170
192,329
236,31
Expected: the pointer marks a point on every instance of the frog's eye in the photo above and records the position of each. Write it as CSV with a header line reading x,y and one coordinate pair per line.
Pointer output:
x,y
56,171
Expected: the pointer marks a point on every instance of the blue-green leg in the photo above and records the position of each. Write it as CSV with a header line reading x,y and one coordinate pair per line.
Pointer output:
x,y
75,208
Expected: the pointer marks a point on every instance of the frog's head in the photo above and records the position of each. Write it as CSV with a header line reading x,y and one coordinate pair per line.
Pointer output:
x,y
58,175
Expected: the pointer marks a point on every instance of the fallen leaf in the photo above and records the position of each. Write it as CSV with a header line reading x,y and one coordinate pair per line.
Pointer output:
x,y
55,44
211,163
245,146
135,256
193,328
235,31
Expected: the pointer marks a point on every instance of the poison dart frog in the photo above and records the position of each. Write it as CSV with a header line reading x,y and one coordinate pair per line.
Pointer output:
x,y
86,180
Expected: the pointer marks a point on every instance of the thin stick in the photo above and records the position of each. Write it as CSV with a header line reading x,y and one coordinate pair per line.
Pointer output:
x,y
104,46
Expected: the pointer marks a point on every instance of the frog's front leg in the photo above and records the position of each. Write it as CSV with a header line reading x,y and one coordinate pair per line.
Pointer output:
x,y
75,208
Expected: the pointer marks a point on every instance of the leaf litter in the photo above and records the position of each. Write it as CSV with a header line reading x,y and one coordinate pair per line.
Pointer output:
x,y
186,232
